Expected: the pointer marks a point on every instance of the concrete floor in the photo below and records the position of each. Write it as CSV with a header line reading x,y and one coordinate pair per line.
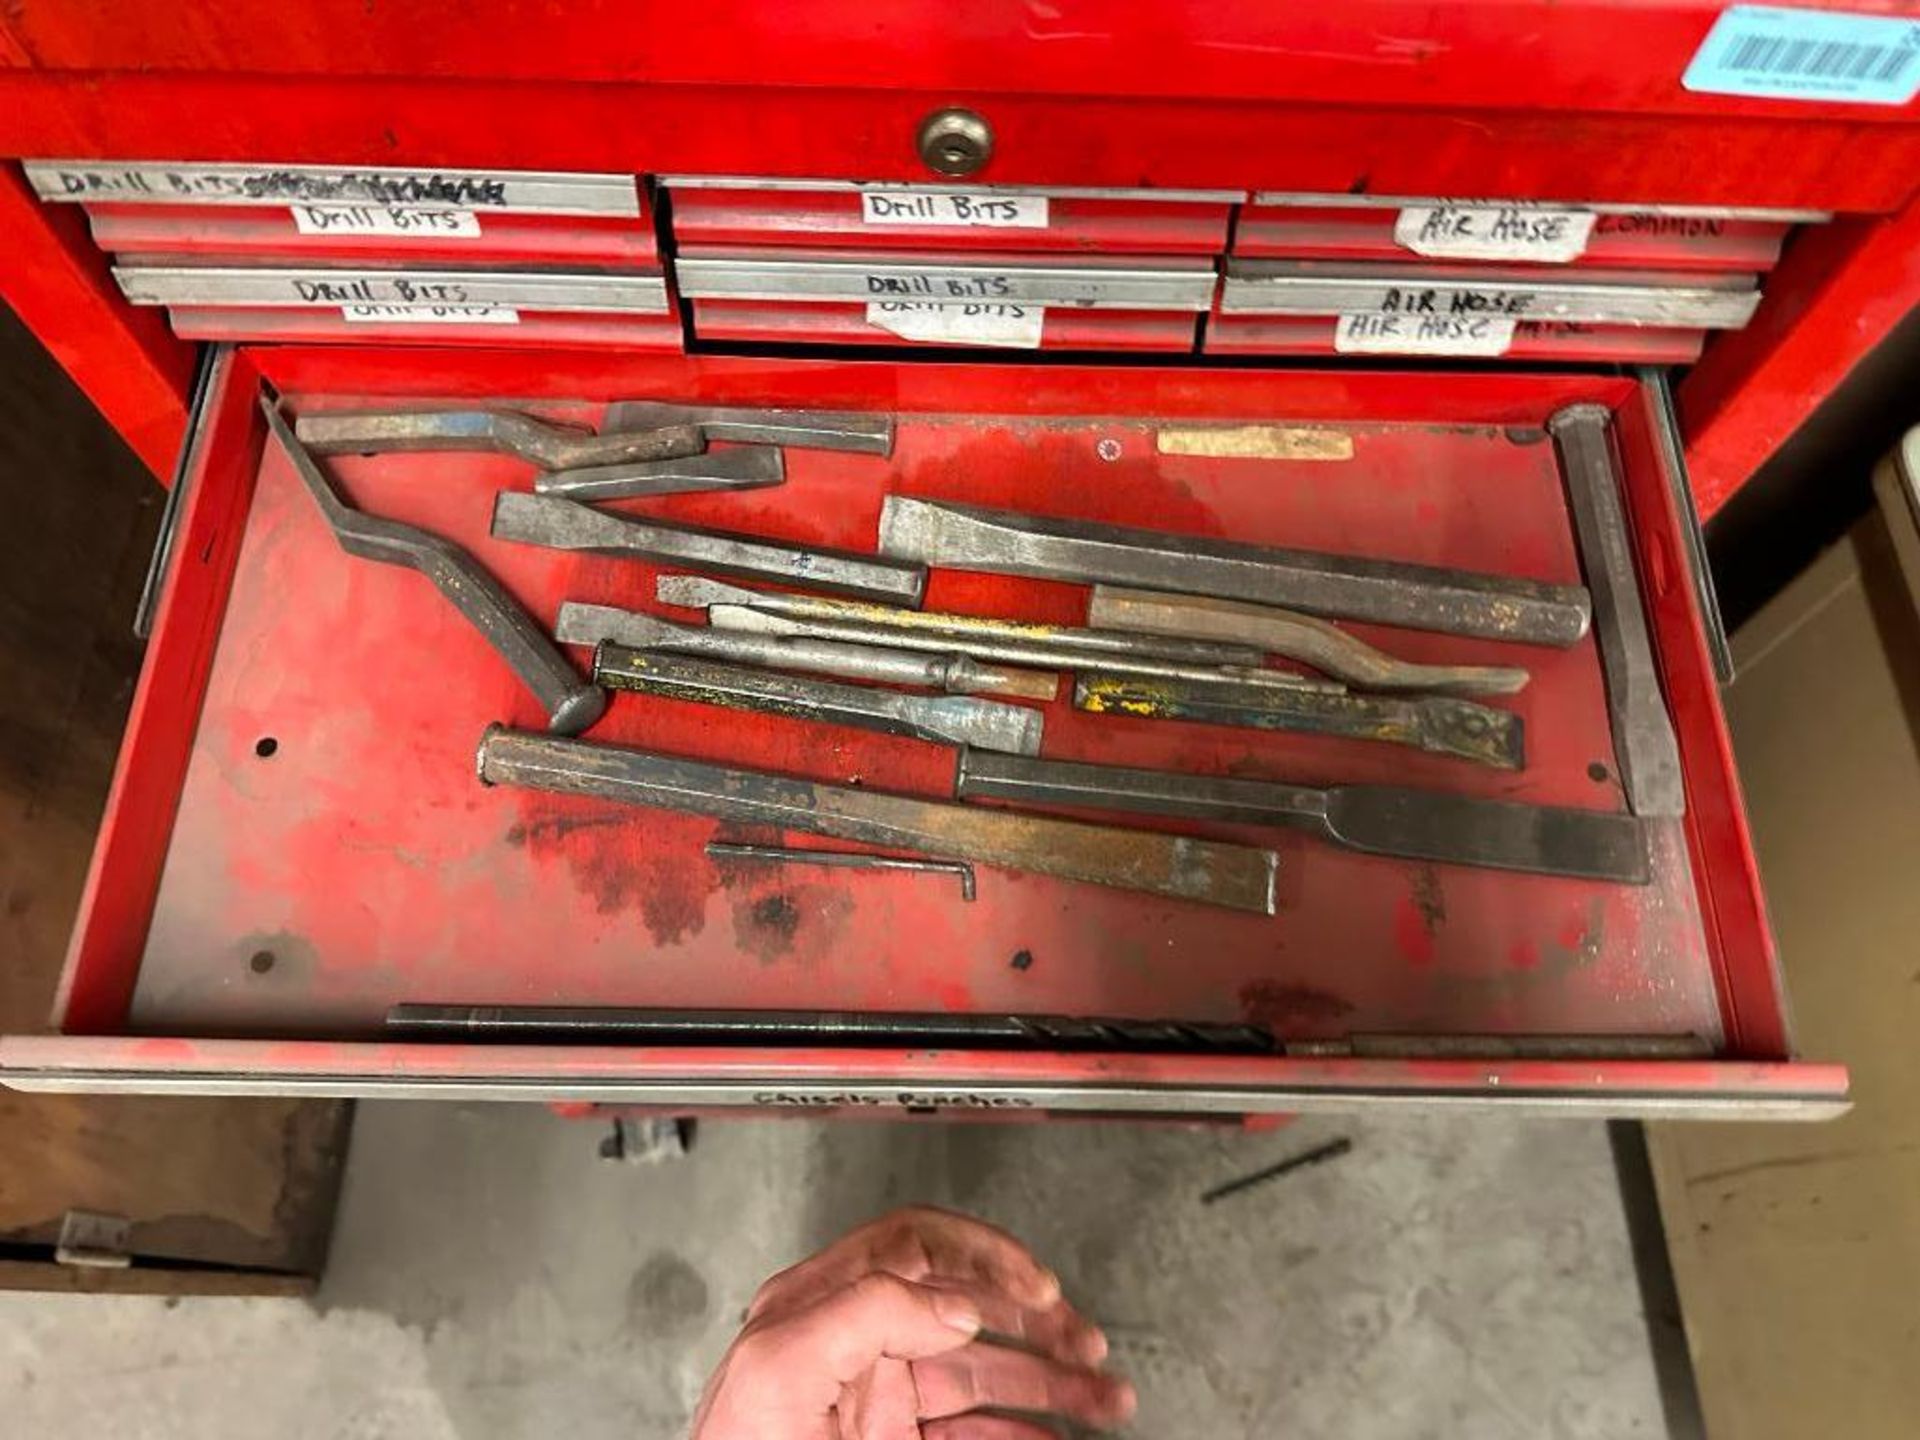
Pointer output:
x,y
492,1278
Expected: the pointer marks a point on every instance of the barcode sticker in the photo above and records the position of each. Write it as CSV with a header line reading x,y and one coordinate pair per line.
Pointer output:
x,y
1015,327
431,314
1775,53
1423,335
435,220
979,210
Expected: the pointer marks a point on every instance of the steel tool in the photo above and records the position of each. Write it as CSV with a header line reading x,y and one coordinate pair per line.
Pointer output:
x,y
1421,597
565,525
1017,642
1442,725
802,429
549,445
571,703
1292,636
833,1028
841,860
1643,740
1376,819
944,719
744,467
1232,876
957,674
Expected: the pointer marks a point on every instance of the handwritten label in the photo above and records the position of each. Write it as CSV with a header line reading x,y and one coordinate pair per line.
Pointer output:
x,y
431,314
1494,232
954,208
940,287
1423,335
906,1099
1777,52
1430,300
1013,327
437,221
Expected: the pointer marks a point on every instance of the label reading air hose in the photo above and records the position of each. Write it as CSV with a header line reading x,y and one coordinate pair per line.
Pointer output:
x,y
1423,335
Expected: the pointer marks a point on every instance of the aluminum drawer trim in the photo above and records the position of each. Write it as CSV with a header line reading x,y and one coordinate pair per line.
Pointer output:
x,y
1252,290
959,187
541,192
1759,214
331,288
957,283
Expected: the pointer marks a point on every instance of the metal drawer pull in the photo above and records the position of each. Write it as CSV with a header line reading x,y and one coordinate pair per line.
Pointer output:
x,y
1293,636
565,525
956,674
539,442
778,276
1407,824
1233,876
570,702
745,467
943,719
1441,726
1644,745
1421,597
337,288
193,182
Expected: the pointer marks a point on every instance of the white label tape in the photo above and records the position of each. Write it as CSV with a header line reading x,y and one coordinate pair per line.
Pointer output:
x,y
1494,232
437,221
1015,327
431,314
1423,335
982,210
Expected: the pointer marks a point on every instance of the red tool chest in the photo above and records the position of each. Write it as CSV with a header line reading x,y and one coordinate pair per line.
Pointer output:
x,y
1187,206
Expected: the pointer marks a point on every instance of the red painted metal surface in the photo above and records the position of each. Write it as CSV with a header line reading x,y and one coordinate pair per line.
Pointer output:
x,y
534,329
1839,291
1532,340
833,218
160,232
123,358
812,322
362,856
1647,242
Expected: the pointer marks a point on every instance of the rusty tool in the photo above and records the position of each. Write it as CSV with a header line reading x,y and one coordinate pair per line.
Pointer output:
x,y
1644,745
570,702
744,467
841,860
1420,597
564,525
834,1028
1407,824
1018,642
844,430
545,443
943,719
1233,876
1439,724
956,674
1292,636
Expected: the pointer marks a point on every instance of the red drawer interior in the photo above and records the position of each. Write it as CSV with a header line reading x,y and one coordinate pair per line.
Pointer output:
x,y
364,860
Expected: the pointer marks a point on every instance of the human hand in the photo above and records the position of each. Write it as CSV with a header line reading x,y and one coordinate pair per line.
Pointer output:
x,y
878,1337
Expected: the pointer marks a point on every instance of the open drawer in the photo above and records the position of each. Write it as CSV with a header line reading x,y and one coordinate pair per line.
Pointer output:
x,y
296,840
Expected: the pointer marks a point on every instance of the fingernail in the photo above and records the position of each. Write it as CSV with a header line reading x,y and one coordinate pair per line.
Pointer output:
x,y
1094,1347
1047,1286
1123,1399
958,1312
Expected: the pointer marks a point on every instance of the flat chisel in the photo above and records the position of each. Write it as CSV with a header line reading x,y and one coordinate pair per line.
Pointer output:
x,y
1387,592
1234,876
943,719
1377,819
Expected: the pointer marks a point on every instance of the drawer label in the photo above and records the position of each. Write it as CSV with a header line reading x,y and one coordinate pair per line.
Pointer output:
x,y
1494,232
1016,327
956,208
435,220
432,314
1778,53
1423,335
